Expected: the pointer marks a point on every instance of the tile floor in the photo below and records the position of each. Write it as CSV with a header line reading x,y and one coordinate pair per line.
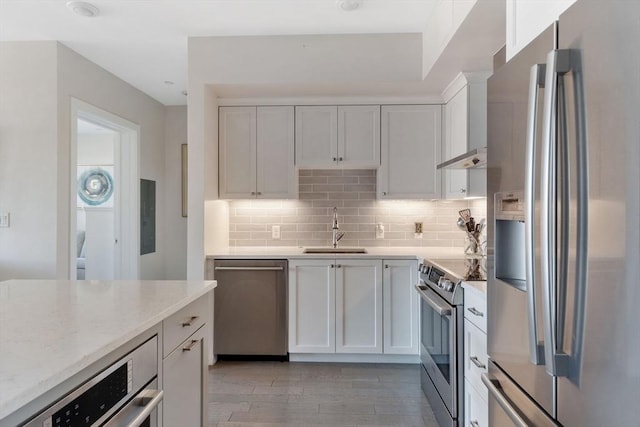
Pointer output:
x,y
311,394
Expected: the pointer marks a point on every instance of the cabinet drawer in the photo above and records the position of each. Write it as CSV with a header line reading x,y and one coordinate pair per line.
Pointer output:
x,y
182,324
185,383
476,409
475,356
475,308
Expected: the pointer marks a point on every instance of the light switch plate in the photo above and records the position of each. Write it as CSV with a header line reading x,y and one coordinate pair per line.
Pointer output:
x,y
379,231
275,232
4,219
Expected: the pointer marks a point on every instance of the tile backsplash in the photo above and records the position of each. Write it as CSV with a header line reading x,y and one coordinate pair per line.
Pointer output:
x,y
307,221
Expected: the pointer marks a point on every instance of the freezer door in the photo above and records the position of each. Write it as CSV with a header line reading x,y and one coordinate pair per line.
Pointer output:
x,y
509,406
509,333
597,304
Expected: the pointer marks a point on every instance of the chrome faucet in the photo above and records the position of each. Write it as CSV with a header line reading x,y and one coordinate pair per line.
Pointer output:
x,y
336,235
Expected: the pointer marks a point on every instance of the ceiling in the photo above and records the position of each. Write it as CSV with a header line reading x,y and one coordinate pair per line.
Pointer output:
x,y
144,42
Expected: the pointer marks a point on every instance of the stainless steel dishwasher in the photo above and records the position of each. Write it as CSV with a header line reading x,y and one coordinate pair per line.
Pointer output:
x,y
250,309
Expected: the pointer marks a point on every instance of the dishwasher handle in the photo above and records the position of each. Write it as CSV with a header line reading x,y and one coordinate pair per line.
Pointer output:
x,y
249,268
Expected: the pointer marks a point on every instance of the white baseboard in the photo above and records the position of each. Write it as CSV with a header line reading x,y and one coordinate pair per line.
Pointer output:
x,y
354,358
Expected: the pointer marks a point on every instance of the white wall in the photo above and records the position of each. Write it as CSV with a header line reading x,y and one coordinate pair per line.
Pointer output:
x,y
82,79
37,82
175,225
28,149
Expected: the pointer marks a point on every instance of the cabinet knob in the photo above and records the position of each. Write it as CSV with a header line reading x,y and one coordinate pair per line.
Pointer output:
x,y
335,159
386,266
339,266
253,193
332,265
384,193
340,159
259,193
463,190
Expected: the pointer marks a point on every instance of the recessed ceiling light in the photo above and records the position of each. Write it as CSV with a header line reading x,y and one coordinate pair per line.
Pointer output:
x,y
84,9
348,5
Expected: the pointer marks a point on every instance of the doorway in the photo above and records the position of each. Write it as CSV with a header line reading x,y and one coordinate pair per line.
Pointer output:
x,y
105,195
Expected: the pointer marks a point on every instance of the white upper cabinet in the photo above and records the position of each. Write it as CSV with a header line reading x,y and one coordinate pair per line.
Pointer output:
x,y
338,136
276,174
359,136
465,128
411,144
257,153
526,19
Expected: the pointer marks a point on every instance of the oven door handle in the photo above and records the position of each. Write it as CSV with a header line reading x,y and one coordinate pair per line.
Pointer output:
x,y
426,295
144,403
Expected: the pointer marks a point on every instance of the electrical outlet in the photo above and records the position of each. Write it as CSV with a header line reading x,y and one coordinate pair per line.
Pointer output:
x,y
4,219
275,232
379,231
417,230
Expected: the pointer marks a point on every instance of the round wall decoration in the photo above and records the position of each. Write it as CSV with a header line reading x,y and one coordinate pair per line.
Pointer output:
x,y
95,186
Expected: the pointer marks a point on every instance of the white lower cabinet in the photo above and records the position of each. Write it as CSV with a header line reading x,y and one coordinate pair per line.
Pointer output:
x,y
400,307
185,365
335,306
358,306
312,306
476,360
476,408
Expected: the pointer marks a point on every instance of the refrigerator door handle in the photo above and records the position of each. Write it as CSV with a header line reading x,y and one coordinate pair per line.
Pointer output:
x,y
536,81
495,392
558,63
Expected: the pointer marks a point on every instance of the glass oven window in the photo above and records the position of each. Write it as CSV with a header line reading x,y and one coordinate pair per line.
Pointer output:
x,y
435,338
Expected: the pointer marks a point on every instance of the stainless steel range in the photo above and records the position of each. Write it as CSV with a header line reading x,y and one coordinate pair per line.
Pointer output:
x,y
441,333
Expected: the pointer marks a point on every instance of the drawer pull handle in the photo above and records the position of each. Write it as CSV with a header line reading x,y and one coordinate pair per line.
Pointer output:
x,y
476,312
190,346
474,423
478,363
189,322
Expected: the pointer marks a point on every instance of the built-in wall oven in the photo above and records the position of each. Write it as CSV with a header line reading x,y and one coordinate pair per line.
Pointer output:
x,y
442,336
125,394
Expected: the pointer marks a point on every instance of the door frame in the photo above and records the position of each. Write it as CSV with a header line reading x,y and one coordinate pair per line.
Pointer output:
x,y
127,198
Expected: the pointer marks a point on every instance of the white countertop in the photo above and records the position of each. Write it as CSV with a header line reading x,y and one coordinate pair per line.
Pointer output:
x,y
478,286
289,252
52,329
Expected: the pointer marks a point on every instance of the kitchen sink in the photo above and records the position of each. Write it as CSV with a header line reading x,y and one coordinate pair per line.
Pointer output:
x,y
335,251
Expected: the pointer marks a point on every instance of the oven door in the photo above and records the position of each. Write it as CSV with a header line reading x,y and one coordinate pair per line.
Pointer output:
x,y
141,411
438,346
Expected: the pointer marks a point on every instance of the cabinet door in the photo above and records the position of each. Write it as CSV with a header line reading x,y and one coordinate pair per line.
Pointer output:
x,y
276,174
312,309
400,312
185,374
456,142
359,136
411,143
316,136
358,306
476,409
237,162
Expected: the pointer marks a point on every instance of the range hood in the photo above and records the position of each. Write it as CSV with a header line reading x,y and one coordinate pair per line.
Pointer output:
x,y
476,158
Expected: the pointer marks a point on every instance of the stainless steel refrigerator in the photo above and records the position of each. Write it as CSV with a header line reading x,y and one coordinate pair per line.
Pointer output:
x,y
563,176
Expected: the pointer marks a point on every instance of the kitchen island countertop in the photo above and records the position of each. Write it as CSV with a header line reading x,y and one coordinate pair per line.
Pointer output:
x,y
52,329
